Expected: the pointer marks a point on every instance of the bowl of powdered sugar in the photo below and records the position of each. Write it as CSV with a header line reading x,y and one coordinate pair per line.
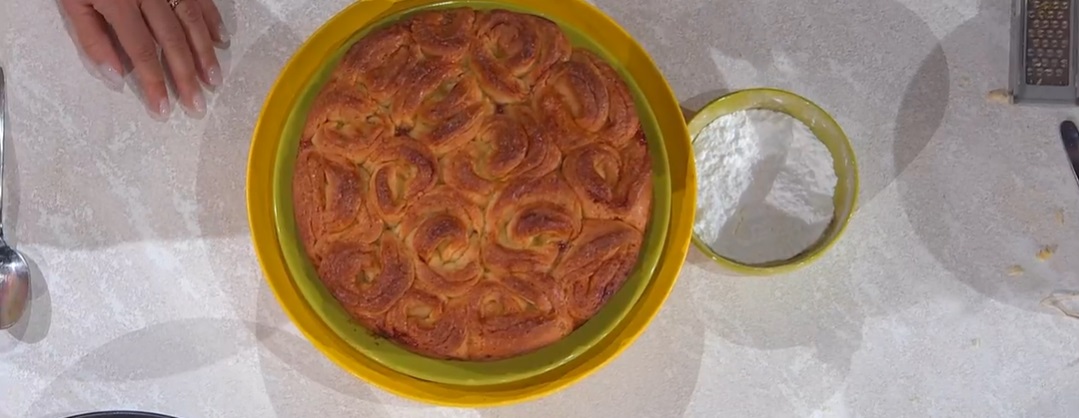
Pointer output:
x,y
777,181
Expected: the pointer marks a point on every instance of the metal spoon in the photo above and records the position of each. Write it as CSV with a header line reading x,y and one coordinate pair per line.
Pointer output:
x,y
14,272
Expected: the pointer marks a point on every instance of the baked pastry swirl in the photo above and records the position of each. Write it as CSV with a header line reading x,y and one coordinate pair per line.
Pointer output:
x,y
471,186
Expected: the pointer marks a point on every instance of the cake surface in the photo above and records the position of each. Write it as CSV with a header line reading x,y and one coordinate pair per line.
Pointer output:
x,y
471,186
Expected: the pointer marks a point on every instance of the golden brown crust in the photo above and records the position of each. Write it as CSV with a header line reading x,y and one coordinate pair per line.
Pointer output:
x,y
444,235
401,171
611,183
375,63
470,186
584,100
512,51
529,223
426,324
446,35
511,311
420,82
329,202
368,280
344,122
505,149
452,115
596,264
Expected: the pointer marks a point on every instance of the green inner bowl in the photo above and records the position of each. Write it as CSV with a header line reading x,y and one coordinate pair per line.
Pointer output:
x,y
827,131
466,372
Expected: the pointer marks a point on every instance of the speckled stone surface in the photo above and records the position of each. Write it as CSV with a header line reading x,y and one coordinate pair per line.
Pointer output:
x,y
148,294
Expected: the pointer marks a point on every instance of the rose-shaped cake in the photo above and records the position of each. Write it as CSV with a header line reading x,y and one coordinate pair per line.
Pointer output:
x,y
470,185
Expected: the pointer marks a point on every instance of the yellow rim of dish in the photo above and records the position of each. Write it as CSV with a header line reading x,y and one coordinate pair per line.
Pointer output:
x,y
828,131
291,81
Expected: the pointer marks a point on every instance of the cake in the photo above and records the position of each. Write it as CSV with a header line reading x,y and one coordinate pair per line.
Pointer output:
x,y
471,186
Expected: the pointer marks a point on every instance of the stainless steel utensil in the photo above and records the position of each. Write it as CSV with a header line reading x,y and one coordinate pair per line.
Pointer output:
x,y
1043,64
14,272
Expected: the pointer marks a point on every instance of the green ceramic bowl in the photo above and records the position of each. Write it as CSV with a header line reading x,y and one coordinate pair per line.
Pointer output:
x,y
465,372
827,130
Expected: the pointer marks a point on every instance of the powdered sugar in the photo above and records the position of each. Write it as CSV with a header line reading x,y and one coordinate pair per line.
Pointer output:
x,y
765,186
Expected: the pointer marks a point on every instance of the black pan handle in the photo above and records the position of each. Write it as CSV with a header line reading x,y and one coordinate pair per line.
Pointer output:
x,y
1069,134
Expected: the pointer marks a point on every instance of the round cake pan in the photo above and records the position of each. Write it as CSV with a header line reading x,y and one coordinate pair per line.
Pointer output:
x,y
261,190
475,373
828,131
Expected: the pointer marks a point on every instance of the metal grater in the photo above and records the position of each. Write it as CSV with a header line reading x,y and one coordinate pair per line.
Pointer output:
x,y
1043,53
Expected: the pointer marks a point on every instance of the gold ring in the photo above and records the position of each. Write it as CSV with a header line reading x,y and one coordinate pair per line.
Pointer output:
x,y
174,3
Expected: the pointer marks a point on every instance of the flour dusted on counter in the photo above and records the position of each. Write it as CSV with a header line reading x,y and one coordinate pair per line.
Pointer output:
x,y
765,186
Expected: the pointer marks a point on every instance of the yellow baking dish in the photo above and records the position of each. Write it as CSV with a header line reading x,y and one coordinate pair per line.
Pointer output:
x,y
312,56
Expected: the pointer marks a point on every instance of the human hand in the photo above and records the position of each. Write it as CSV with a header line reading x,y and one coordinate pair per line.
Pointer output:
x,y
186,31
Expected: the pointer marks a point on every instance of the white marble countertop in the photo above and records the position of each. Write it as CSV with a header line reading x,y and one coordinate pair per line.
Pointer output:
x,y
149,296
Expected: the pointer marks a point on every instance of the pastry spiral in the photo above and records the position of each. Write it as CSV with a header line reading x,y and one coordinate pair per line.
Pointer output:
x,y
596,264
512,51
611,183
529,223
426,324
470,186
446,35
452,115
402,170
445,236
368,280
345,123
421,81
514,313
376,62
330,202
506,148
585,100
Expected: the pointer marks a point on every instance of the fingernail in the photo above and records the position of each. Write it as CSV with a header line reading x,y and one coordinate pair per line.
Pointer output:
x,y
111,77
223,33
213,75
90,67
197,109
164,109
